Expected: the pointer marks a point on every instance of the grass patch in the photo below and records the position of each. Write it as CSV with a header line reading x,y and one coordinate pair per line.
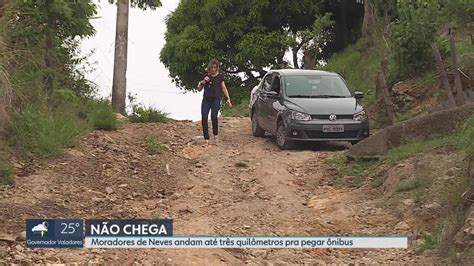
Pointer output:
x,y
465,54
418,196
408,150
378,181
44,133
360,76
427,78
431,240
462,140
141,114
103,117
466,138
415,183
6,174
152,145
358,170
442,234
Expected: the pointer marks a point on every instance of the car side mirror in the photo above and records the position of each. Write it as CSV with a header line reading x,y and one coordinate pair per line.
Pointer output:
x,y
272,94
358,95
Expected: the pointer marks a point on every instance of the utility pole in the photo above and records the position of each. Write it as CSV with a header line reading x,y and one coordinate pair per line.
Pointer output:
x,y
119,87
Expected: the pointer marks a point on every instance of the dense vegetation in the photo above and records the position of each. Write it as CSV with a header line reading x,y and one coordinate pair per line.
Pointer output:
x,y
252,36
47,103
42,87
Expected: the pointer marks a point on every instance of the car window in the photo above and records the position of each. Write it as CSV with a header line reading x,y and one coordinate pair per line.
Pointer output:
x,y
267,82
316,86
276,84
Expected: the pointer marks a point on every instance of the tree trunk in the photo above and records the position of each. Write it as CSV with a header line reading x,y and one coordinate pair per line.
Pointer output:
x,y
457,78
444,76
48,56
48,62
309,59
345,33
295,58
367,29
368,22
119,87
385,95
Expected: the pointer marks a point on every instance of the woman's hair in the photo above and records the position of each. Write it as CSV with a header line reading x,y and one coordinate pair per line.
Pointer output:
x,y
211,63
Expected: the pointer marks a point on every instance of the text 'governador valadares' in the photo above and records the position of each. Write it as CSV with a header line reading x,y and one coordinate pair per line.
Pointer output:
x,y
133,233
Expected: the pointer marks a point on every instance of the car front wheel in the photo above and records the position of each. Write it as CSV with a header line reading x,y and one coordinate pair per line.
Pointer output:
x,y
282,139
257,131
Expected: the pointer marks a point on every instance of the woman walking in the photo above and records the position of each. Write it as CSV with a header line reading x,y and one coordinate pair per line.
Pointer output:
x,y
213,83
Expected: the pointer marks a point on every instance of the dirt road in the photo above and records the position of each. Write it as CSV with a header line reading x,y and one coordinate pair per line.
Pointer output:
x,y
242,186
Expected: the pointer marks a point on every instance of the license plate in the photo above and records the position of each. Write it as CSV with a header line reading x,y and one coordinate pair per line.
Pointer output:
x,y
333,128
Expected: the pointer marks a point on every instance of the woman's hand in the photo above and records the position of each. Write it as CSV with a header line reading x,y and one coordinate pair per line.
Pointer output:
x,y
201,84
229,103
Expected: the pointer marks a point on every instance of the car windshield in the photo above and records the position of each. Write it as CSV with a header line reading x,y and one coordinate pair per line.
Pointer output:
x,y
316,86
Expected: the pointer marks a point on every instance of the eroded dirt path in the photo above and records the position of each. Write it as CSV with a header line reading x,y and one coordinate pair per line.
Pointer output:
x,y
242,186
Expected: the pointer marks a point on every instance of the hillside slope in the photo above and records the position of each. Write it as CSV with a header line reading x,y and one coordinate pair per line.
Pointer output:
x,y
243,186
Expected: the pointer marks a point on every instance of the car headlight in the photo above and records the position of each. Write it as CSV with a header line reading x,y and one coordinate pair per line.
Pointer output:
x,y
360,116
300,116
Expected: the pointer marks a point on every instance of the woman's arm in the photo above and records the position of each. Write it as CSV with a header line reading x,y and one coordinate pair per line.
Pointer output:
x,y
201,85
226,93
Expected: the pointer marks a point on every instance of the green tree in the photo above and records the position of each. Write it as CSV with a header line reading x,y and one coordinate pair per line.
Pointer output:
x,y
411,36
42,39
347,16
312,41
246,36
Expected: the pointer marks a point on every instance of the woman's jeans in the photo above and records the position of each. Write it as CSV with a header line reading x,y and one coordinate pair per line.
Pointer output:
x,y
213,105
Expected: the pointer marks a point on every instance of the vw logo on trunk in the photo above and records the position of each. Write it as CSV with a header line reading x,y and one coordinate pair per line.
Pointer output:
x,y
332,117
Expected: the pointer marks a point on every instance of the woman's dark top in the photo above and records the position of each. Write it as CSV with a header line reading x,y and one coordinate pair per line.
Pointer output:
x,y
212,89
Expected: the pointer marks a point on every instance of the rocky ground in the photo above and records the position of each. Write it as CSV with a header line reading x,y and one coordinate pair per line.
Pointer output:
x,y
241,186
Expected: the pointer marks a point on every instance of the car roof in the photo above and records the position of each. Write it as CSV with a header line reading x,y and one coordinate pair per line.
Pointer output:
x,y
297,72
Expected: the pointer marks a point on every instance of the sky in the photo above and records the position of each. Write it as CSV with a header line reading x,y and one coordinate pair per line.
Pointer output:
x,y
147,77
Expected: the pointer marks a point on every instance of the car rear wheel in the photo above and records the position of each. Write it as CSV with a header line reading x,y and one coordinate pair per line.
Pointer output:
x,y
282,139
257,131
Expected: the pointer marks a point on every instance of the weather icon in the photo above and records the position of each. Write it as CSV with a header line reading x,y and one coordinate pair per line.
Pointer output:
x,y
41,228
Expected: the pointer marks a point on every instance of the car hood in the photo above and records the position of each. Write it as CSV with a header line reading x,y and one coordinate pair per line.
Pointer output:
x,y
315,106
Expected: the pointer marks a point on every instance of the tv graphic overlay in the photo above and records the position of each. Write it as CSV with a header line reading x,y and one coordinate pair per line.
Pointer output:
x,y
158,233
126,233
54,233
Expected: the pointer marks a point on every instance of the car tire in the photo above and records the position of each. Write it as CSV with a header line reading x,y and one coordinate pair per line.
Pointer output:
x,y
282,139
257,131
354,142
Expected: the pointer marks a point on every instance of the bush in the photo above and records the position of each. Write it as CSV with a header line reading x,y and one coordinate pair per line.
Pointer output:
x,y
411,37
141,114
153,146
459,11
44,133
415,183
358,170
6,173
103,118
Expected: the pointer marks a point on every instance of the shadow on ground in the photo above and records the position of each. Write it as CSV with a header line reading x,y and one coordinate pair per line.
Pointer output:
x,y
315,146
